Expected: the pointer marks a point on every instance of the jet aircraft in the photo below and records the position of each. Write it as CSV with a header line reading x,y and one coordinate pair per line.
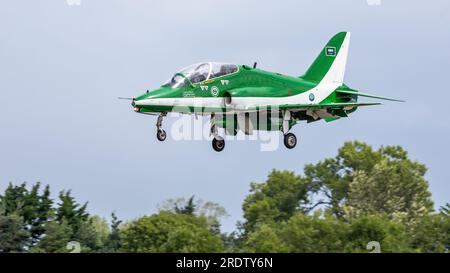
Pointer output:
x,y
246,98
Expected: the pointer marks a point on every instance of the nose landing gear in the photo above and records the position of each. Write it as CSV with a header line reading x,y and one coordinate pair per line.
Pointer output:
x,y
160,133
218,143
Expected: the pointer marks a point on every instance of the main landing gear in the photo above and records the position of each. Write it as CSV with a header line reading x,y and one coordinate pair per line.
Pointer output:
x,y
290,140
160,133
218,143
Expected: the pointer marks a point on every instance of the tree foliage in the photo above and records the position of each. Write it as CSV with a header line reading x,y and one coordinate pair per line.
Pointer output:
x,y
339,204
361,180
113,242
30,220
70,211
445,209
33,207
13,235
364,195
170,232
282,195
57,235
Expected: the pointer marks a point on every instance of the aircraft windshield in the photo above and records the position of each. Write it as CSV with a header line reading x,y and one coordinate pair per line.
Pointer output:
x,y
200,72
178,80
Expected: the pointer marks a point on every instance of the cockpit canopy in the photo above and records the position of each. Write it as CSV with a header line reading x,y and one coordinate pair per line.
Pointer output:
x,y
200,72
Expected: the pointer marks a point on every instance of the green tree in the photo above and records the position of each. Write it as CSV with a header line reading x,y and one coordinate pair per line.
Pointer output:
x,y
189,208
92,234
57,236
265,239
314,233
113,242
101,229
211,211
170,232
13,236
360,180
396,188
391,235
339,204
48,229
431,233
277,199
445,209
72,212
367,195
34,207
301,233
325,233
331,177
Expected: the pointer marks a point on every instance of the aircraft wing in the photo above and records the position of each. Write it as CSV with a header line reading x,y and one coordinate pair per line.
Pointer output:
x,y
309,106
330,105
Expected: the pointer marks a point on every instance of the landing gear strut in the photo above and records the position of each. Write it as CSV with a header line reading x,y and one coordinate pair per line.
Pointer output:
x,y
218,143
160,133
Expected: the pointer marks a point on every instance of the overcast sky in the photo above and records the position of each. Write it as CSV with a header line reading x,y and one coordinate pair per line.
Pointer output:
x,y
62,68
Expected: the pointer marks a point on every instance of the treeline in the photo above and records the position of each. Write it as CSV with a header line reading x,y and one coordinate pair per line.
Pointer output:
x,y
339,204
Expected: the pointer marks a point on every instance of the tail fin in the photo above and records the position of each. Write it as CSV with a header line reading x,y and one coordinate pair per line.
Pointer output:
x,y
329,66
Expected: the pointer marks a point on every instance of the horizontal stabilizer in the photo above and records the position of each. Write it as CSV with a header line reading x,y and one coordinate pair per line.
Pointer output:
x,y
366,95
343,104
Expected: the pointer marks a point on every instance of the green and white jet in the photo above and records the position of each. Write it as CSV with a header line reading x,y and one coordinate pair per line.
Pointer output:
x,y
244,98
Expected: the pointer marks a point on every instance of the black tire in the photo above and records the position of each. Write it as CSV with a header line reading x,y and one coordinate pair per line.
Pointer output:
x,y
161,135
290,140
218,144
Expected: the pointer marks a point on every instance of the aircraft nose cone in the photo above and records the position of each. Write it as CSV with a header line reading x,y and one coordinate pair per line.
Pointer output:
x,y
135,108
